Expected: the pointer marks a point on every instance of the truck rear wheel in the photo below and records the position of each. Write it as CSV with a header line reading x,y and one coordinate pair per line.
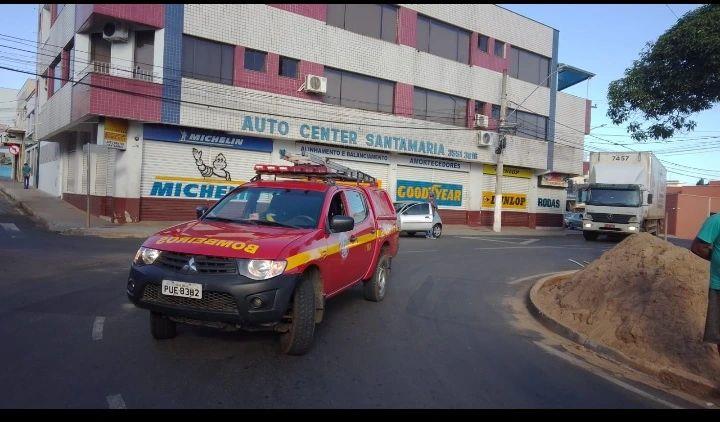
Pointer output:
x,y
161,327
588,235
299,337
375,288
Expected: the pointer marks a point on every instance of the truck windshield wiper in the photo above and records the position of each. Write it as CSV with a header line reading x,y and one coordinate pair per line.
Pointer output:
x,y
275,223
229,220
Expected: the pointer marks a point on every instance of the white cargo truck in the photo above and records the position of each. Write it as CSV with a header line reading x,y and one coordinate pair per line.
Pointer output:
x,y
625,194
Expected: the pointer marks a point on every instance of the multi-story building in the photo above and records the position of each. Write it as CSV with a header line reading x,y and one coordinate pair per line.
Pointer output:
x,y
180,101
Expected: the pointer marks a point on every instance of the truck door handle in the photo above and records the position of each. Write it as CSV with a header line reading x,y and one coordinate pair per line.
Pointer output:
x,y
353,238
427,218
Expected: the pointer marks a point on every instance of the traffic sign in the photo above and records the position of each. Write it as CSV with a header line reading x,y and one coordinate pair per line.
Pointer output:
x,y
14,149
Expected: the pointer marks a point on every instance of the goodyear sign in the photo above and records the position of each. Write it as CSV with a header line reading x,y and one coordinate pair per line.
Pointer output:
x,y
509,171
515,201
445,194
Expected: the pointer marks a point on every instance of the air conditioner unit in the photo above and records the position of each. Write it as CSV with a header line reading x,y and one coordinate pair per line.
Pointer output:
x,y
317,84
486,139
482,120
115,32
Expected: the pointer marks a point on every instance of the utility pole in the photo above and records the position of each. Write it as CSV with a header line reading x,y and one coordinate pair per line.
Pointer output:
x,y
87,194
497,216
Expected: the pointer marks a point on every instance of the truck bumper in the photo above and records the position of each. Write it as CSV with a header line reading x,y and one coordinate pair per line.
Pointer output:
x,y
226,298
610,228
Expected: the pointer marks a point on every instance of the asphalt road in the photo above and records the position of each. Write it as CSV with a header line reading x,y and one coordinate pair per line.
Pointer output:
x,y
442,338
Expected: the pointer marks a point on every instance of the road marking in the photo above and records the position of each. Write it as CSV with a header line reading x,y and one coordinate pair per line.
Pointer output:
x,y
532,247
495,240
9,227
577,362
115,401
529,241
572,260
530,277
97,331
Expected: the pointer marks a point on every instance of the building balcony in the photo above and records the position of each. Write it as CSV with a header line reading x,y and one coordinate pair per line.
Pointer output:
x,y
130,72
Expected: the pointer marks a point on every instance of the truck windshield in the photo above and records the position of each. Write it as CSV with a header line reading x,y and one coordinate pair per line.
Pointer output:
x,y
294,208
613,197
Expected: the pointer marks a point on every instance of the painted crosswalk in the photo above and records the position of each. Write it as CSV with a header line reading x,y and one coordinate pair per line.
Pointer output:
x,y
10,227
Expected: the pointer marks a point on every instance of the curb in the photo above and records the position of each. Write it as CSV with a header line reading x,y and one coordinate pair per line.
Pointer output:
x,y
25,209
690,383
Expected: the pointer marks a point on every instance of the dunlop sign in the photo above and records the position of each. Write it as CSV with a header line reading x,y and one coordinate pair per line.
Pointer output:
x,y
516,201
509,171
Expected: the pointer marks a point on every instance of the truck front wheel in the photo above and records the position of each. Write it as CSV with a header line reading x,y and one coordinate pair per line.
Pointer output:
x,y
588,235
375,288
299,337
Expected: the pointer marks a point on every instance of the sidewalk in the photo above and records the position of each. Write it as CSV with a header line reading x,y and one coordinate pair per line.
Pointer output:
x,y
59,216
463,230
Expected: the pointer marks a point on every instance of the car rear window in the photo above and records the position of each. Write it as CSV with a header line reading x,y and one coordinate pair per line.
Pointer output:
x,y
381,203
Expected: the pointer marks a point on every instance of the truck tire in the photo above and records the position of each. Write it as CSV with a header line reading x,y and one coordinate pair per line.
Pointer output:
x,y
299,337
161,327
375,288
588,235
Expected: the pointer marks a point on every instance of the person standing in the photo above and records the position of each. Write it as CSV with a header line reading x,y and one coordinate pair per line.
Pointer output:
x,y
433,210
707,246
26,172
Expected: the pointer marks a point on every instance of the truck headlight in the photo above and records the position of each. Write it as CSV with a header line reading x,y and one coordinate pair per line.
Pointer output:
x,y
146,256
260,269
588,225
631,228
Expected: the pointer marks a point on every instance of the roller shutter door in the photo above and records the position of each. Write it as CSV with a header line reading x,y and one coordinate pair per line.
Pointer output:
x,y
431,175
510,185
378,171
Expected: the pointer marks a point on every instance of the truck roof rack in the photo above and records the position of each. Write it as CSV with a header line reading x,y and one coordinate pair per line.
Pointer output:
x,y
311,166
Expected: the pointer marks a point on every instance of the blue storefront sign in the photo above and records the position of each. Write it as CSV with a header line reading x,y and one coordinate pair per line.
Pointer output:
x,y
445,193
194,136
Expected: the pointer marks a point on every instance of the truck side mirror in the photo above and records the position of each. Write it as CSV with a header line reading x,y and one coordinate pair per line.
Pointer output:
x,y
649,200
341,223
200,211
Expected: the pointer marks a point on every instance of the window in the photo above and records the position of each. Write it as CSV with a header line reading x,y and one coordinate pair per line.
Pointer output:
x,y
442,39
529,67
529,125
255,60
499,48
144,53
336,207
373,20
495,112
418,209
359,91
289,67
99,48
207,60
57,81
438,107
479,107
483,41
70,48
59,9
358,209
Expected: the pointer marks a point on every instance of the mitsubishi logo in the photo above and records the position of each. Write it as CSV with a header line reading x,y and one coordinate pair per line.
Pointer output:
x,y
190,266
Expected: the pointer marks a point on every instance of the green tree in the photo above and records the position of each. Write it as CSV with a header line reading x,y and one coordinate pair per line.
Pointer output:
x,y
676,76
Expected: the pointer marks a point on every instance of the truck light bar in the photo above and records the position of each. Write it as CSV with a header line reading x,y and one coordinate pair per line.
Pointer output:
x,y
311,166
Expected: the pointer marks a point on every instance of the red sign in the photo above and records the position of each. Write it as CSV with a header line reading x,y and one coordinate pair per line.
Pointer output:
x,y
14,149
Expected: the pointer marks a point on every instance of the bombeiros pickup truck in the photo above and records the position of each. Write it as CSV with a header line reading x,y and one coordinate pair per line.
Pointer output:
x,y
270,253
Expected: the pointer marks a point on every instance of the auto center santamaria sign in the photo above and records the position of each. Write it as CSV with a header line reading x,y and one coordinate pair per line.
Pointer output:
x,y
326,133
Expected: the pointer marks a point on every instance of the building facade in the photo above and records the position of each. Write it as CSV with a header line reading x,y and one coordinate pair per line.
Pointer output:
x,y
687,207
176,103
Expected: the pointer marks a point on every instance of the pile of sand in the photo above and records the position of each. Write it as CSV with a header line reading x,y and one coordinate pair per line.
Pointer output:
x,y
645,298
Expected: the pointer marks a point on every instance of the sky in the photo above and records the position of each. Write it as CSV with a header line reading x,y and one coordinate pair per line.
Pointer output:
x,y
603,39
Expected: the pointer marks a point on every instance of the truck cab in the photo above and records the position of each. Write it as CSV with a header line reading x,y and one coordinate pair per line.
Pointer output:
x,y
626,194
269,254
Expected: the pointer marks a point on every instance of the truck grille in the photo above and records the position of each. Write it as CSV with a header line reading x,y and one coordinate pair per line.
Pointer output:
x,y
204,264
211,301
599,217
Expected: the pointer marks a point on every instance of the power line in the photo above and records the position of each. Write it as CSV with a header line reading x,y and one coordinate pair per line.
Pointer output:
x,y
673,12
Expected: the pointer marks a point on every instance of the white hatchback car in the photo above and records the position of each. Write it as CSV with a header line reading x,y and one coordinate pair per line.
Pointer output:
x,y
416,216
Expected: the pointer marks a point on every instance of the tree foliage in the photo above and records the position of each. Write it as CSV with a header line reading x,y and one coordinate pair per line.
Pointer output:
x,y
676,76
